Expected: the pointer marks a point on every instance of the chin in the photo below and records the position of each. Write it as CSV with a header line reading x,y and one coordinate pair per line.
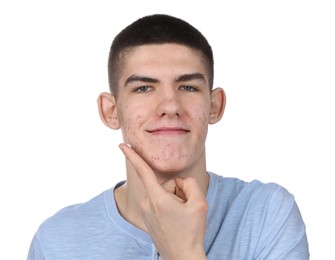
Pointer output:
x,y
168,169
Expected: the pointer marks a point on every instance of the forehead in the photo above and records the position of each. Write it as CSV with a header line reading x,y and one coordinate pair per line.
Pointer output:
x,y
175,58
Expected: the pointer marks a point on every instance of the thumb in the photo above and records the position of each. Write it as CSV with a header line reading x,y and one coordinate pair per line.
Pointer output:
x,y
190,188
172,187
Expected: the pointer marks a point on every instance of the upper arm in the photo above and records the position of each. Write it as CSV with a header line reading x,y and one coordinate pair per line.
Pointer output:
x,y
35,252
283,234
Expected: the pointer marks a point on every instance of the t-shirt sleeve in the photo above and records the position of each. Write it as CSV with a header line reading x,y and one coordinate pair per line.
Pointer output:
x,y
35,249
283,234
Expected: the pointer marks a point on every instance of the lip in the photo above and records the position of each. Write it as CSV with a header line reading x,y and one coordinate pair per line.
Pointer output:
x,y
168,131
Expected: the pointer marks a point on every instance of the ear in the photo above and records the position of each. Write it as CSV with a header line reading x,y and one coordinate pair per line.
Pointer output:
x,y
218,104
108,111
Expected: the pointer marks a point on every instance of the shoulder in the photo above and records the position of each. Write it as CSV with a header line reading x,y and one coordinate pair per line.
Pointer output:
x,y
255,193
266,212
239,186
74,229
74,218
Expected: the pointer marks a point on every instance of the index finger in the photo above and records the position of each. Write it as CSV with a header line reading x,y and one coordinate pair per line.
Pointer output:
x,y
143,170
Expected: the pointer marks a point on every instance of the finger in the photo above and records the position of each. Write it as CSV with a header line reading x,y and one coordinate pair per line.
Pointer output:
x,y
143,170
190,189
179,193
171,186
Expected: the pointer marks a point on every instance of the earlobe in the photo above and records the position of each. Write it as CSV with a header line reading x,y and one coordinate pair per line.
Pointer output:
x,y
218,104
108,111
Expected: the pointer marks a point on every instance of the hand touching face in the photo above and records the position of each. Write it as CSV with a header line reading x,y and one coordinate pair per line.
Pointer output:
x,y
176,223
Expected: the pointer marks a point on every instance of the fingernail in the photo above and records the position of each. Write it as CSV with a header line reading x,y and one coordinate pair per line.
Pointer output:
x,y
122,144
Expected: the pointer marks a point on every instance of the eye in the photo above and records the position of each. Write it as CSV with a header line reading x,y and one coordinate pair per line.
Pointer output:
x,y
188,88
142,89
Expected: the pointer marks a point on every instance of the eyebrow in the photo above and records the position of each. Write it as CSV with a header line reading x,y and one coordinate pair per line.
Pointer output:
x,y
134,78
192,76
182,78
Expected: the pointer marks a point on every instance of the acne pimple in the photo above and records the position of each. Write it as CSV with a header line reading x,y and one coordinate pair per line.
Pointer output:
x,y
156,158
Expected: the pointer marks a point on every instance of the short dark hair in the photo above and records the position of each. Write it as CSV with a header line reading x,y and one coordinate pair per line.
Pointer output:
x,y
156,29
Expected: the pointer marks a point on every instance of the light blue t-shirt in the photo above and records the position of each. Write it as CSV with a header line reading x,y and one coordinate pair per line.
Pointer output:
x,y
245,221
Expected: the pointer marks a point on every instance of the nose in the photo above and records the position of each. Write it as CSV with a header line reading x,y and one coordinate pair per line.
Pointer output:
x,y
169,104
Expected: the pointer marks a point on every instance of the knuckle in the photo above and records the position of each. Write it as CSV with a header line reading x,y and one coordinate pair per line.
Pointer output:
x,y
201,207
159,203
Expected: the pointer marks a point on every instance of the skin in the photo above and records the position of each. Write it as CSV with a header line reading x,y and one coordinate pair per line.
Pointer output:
x,y
163,110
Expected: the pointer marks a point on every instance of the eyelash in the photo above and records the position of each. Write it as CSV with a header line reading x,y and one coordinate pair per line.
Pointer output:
x,y
140,89
193,89
185,88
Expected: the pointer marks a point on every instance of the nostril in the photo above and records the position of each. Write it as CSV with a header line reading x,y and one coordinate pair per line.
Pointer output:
x,y
169,108
170,114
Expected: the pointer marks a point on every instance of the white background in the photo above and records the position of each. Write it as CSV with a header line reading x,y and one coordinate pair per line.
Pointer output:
x,y
275,59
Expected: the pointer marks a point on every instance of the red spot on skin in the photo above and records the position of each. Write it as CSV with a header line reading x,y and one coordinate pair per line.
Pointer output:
x,y
156,158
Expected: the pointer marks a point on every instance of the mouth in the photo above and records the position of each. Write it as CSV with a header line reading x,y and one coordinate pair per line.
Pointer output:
x,y
169,131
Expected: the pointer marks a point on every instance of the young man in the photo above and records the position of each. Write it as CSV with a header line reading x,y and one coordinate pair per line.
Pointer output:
x,y
170,206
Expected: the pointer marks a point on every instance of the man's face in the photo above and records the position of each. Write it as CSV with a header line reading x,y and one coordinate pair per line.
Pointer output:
x,y
164,105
